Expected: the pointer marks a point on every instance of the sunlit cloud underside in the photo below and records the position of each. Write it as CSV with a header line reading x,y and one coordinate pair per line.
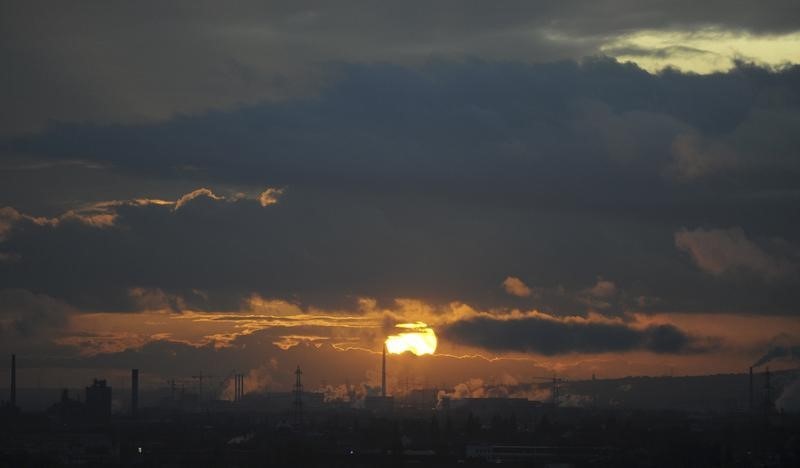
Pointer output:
x,y
704,51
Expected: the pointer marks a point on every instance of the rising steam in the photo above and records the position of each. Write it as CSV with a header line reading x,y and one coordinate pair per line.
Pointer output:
x,y
779,352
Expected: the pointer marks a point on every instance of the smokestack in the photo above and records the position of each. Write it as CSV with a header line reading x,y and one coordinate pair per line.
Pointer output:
x,y
134,391
383,372
750,394
767,391
238,391
13,380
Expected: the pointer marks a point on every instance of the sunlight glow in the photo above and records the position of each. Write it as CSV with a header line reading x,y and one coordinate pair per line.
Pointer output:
x,y
703,51
416,337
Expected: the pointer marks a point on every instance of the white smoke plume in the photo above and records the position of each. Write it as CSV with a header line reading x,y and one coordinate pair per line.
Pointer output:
x,y
789,400
507,387
256,380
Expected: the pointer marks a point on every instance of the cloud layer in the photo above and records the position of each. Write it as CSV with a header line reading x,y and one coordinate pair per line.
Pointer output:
x,y
550,336
718,251
115,64
437,183
257,174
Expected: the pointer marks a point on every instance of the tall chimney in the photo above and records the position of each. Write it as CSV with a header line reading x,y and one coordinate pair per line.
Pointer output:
x,y
13,380
134,391
750,394
767,391
383,372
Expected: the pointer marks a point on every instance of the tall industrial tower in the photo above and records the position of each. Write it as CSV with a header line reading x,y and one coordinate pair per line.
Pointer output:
x,y
383,372
298,397
768,404
556,391
13,381
238,384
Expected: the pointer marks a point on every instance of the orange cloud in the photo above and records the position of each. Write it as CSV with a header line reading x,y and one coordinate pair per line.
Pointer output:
x,y
287,327
270,196
201,192
516,287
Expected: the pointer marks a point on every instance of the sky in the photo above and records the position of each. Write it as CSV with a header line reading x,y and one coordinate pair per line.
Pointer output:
x,y
606,187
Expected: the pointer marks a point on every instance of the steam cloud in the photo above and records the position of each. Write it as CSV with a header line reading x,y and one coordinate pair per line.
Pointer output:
x,y
778,352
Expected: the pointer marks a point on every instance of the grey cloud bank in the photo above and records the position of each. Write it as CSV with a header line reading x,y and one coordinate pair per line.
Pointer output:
x,y
438,183
149,61
550,337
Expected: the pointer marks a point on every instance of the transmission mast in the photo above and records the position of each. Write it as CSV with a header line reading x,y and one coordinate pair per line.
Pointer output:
x,y
298,397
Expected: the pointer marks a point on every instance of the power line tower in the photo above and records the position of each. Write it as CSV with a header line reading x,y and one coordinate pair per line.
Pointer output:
x,y
555,389
200,379
298,397
383,372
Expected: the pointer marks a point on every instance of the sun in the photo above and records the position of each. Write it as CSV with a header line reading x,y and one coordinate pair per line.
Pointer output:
x,y
417,338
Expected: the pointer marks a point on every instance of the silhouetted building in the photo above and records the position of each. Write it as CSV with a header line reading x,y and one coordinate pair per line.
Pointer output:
x,y
283,402
67,410
98,400
379,404
422,398
488,407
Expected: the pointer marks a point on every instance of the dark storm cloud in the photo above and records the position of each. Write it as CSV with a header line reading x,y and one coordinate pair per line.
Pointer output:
x,y
327,249
145,61
318,249
476,126
551,337
710,151
438,183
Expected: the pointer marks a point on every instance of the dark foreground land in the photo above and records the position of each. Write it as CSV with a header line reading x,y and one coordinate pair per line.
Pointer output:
x,y
538,435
